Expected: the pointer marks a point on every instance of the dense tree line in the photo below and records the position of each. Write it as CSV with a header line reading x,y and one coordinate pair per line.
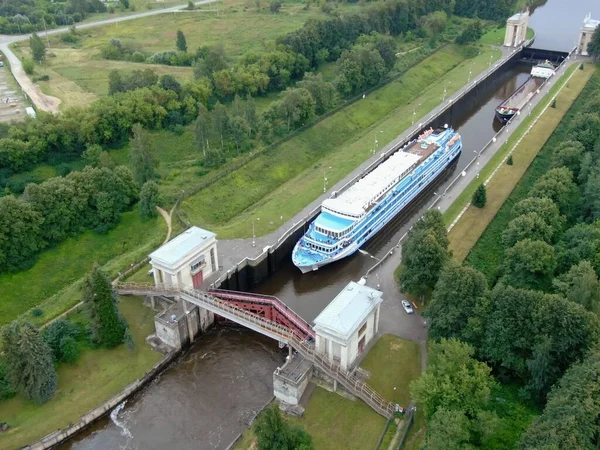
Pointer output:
x,y
49,212
538,326
25,16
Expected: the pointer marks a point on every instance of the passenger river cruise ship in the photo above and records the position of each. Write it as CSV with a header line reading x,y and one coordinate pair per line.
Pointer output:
x,y
349,220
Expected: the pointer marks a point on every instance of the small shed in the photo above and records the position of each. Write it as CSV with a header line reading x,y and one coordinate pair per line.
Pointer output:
x,y
187,259
347,325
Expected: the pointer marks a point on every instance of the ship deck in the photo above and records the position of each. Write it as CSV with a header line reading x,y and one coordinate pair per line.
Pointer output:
x,y
523,93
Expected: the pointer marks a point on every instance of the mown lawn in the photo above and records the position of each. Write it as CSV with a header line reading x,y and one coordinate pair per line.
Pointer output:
x,y
279,183
486,255
496,36
474,222
465,196
52,283
95,377
393,364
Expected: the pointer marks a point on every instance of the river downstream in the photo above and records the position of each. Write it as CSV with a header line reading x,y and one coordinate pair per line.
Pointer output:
x,y
211,393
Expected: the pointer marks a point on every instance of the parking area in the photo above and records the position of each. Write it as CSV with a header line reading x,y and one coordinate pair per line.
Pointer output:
x,y
12,102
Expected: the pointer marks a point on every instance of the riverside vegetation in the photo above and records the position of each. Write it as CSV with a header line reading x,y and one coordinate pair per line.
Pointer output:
x,y
524,311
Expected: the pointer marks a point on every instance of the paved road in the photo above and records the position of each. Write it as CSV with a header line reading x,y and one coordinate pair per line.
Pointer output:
x,y
46,102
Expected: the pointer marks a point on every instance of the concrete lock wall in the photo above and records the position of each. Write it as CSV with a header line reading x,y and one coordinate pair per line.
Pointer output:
x,y
249,272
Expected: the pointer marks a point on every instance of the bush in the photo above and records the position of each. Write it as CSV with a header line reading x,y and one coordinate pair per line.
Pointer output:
x,y
138,57
69,349
56,335
28,66
44,77
510,161
69,38
275,6
479,197
37,312
6,390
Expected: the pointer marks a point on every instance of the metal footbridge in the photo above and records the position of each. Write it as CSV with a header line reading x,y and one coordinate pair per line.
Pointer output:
x,y
269,316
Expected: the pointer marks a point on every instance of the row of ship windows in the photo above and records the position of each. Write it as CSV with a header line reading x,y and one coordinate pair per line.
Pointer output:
x,y
334,234
321,249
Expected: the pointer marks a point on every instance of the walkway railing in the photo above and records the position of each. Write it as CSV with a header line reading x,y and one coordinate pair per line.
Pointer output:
x,y
307,349
251,298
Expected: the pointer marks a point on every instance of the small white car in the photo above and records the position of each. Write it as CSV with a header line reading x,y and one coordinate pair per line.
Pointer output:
x,y
407,307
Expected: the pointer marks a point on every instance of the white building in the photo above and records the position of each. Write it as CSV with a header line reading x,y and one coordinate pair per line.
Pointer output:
x,y
347,325
587,31
516,29
186,260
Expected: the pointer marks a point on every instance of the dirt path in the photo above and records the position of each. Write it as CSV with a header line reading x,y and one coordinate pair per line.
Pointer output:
x,y
167,218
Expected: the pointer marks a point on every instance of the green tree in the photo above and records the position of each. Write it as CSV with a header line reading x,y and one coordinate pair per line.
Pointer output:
x,y
29,362
594,45
479,196
529,264
579,243
115,82
37,47
296,107
422,260
272,432
92,155
527,226
453,381
202,129
544,208
20,233
6,390
448,430
435,22
55,333
570,418
585,128
433,221
458,304
107,325
181,42
591,196
557,185
251,115
580,285
149,199
220,120
141,155
239,131
323,92
568,154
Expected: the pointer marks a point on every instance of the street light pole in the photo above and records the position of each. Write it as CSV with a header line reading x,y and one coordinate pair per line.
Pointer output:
x,y
253,232
325,180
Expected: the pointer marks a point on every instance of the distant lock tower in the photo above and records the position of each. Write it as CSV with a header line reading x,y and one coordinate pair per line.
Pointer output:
x,y
516,29
585,36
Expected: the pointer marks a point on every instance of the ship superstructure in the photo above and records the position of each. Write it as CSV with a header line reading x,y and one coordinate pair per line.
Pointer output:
x,y
349,220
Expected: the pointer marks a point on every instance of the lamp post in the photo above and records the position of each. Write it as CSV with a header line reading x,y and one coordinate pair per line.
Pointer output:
x,y
325,180
414,114
376,143
253,232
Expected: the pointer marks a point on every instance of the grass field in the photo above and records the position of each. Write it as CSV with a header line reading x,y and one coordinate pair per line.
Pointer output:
x,y
465,196
486,255
52,284
78,76
474,222
95,377
496,36
287,178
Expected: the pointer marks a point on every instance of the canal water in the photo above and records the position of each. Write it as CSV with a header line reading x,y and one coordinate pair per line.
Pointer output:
x,y
211,393
201,403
